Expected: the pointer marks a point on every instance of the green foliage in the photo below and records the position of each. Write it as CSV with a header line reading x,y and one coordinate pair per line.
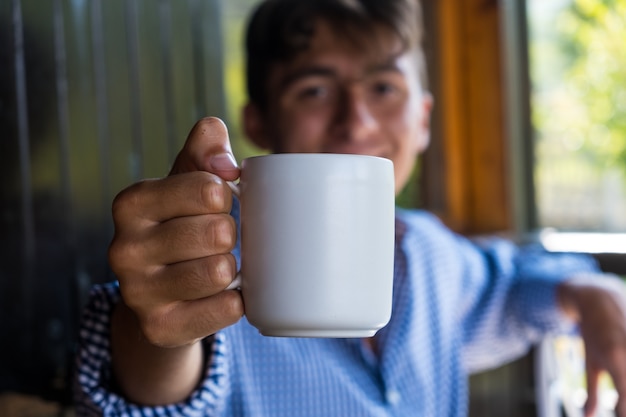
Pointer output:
x,y
587,108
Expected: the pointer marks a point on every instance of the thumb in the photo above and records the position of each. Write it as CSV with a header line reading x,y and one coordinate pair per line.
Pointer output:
x,y
207,148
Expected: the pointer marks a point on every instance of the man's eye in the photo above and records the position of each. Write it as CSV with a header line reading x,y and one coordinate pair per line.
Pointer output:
x,y
384,88
313,92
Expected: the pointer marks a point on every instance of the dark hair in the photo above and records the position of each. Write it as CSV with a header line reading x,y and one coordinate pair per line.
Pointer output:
x,y
279,29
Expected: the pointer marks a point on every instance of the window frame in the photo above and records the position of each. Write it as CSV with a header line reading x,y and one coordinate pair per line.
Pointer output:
x,y
465,172
476,174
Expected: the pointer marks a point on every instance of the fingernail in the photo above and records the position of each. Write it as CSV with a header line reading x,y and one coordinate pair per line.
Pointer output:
x,y
223,161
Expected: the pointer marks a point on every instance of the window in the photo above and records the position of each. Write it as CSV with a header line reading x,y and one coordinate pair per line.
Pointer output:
x,y
578,112
577,62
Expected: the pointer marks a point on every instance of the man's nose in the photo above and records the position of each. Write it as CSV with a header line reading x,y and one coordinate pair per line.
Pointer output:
x,y
357,119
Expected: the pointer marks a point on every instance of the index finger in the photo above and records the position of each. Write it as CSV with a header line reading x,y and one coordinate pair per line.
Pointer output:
x,y
617,370
158,200
207,148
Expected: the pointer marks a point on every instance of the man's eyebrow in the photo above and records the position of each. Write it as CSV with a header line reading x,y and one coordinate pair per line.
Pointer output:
x,y
313,71
390,65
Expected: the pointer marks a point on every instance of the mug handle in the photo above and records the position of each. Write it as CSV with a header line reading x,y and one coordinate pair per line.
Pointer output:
x,y
236,283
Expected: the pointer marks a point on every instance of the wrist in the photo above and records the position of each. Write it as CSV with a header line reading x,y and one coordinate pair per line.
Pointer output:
x,y
149,374
588,293
567,300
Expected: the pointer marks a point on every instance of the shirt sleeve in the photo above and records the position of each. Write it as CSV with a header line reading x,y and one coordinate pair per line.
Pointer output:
x,y
95,393
512,302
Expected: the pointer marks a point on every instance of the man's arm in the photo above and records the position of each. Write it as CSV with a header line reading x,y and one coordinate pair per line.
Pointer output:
x,y
96,392
173,372
171,255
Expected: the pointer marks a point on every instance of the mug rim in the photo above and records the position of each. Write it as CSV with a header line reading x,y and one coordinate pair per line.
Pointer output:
x,y
316,155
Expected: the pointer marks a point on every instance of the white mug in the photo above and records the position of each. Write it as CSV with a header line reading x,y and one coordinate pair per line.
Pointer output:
x,y
317,244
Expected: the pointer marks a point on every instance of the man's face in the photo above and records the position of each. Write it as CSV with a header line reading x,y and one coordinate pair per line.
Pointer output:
x,y
334,98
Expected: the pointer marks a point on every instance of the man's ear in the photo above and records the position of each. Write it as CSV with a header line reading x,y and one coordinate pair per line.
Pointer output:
x,y
254,126
426,107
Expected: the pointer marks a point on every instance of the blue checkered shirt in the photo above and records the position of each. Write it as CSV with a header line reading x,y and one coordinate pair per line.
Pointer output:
x,y
459,306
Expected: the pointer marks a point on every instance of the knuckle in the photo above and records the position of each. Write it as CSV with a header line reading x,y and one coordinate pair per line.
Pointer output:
x,y
222,233
227,309
123,255
232,306
120,203
213,195
223,270
116,254
126,201
133,294
230,309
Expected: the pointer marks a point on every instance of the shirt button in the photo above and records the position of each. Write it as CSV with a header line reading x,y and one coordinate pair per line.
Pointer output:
x,y
393,397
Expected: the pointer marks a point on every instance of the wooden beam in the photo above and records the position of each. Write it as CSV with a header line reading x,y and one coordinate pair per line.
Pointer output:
x,y
468,164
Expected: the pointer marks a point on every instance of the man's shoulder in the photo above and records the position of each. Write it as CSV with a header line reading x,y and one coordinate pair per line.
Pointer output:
x,y
420,222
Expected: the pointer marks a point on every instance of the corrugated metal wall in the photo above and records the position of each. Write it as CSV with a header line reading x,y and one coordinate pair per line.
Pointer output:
x,y
94,94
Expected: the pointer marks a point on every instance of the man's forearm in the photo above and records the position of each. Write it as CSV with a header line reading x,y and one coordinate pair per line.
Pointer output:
x,y
148,374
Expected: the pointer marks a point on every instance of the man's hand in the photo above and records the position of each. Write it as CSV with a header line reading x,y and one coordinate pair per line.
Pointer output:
x,y
598,305
171,255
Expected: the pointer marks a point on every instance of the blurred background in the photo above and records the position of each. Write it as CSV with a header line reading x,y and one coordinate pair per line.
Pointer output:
x,y
529,139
